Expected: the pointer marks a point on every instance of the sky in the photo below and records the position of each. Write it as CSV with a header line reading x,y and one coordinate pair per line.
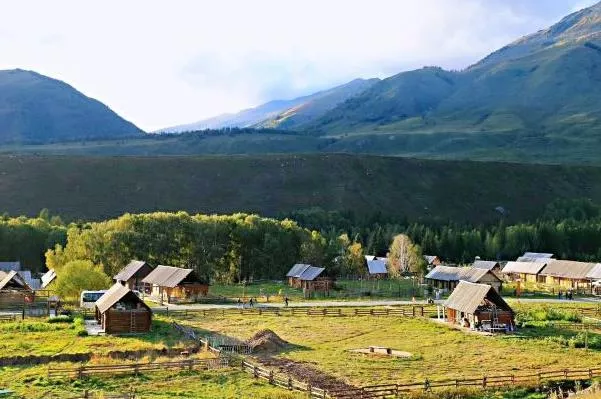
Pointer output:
x,y
162,63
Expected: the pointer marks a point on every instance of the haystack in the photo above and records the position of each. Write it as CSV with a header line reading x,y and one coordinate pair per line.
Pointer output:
x,y
266,340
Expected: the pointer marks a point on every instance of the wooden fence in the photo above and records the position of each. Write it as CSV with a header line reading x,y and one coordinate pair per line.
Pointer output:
x,y
485,382
398,311
284,381
136,368
88,395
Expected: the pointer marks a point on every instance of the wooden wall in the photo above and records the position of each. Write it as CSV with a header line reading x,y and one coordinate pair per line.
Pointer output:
x,y
120,322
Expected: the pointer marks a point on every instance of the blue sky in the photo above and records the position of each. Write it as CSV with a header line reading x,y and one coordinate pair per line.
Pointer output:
x,y
163,63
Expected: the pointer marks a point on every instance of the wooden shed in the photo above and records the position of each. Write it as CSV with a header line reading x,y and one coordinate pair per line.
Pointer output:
x,y
309,279
173,284
479,307
132,275
120,311
448,277
14,291
377,268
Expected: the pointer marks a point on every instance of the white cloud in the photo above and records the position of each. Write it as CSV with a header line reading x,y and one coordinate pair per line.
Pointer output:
x,y
162,63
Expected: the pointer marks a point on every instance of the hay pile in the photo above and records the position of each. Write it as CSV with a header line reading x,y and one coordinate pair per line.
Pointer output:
x,y
267,341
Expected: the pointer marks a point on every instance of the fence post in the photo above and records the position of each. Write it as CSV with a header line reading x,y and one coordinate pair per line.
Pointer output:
x,y
539,377
80,372
484,382
590,373
191,363
255,372
86,394
290,383
271,377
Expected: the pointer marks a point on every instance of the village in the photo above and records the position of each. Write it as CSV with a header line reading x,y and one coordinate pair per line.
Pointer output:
x,y
443,332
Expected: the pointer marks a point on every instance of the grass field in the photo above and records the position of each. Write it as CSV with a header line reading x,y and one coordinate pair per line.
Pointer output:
x,y
274,184
35,337
438,351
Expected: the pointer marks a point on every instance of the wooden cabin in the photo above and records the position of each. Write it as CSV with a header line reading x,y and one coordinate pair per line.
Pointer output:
x,y
491,265
173,284
528,272
432,261
309,279
568,274
295,273
376,268
479,307
131,276
14,290
448,277
120,311
535,257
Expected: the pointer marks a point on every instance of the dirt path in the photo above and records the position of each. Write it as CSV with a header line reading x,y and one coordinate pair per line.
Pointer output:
x,y
304,372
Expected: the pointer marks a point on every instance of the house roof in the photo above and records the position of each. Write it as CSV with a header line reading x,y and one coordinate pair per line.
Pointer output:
x,y
537,255
167,276
567,269
467,297
595,273
48,277
130,270
6,278
448,273
430,258
297,270
369,257
485,264
115,294
10,266
377,266
33,283
524,267
311,273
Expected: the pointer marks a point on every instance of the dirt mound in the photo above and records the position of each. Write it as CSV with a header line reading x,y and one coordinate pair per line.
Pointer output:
x,y
268,341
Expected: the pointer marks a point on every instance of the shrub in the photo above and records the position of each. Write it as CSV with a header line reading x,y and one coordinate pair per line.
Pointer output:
x,y
60,319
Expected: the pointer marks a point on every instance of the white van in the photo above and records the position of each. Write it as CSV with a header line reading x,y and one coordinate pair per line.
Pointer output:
x,y
87,299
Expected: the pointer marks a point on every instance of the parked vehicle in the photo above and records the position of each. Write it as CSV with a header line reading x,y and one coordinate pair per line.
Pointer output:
x,y
89,298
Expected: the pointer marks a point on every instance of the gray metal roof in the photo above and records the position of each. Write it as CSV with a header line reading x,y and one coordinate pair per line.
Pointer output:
x,y
115,294
48,277
467,297
595,273
10,266
448,273
297,270
33,283
167,276
524,267
377,266
537,255
567,269
311,273
6,278
430,258
130,270
485,264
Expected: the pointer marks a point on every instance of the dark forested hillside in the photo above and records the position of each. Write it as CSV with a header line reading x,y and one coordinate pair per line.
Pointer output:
x,y
395,188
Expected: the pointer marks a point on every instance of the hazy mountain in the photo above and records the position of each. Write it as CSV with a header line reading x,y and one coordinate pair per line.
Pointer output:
x,y
36,108
282,113
548,83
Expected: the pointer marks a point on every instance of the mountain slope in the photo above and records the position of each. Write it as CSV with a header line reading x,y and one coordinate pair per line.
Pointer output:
x,y
288,114
36,108
548,83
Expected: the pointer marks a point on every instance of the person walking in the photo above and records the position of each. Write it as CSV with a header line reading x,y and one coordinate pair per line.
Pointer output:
x,y
286,301
251,303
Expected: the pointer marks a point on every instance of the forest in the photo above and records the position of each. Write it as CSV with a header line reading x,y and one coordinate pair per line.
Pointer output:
x,y
231,248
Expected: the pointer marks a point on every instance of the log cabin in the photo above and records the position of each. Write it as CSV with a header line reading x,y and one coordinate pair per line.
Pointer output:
x,y
120,311
132,275
479,306
174,284
448,277
14,291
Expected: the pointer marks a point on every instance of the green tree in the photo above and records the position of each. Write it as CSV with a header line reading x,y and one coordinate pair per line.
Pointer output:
x,y
80,275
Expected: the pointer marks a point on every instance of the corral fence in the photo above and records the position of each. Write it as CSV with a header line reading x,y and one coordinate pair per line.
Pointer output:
x,y
399,311
137,368
284,381
484,382
219,345
89,395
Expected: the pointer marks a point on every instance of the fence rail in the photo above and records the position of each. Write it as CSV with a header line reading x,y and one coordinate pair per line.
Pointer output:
x,y
399,311
484,382
135,368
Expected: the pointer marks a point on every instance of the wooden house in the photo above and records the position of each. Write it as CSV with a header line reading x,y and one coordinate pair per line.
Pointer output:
x,y
528,272
491,265
568,274
120,311
447,277
132,275
173,284
14,291
479,306
309,279
535,257
377,268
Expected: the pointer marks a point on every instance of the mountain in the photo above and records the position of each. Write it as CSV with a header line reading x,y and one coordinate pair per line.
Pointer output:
x,y
544,85
289,114
36,108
